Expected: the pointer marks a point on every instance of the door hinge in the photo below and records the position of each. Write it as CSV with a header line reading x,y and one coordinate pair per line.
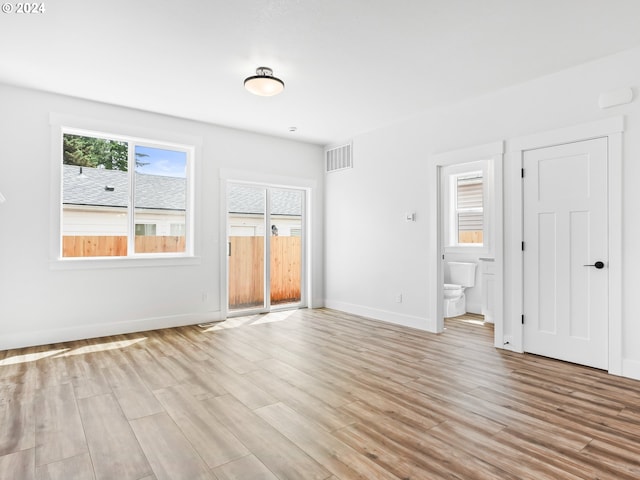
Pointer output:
x,y
523,246
522,173
522,319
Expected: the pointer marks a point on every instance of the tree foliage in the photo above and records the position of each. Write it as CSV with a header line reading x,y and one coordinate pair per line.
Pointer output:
x,y
95,152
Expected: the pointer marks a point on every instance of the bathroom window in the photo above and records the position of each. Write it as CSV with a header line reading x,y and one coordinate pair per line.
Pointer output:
x,y
465,197
469,216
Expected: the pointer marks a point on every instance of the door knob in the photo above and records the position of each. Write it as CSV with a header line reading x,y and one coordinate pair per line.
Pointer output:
x,y
598,265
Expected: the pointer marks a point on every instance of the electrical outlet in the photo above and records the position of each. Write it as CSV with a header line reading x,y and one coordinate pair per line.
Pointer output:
x,y
399,298
205,296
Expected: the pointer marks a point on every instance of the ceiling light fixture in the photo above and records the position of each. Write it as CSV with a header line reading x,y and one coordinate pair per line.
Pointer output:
x,y
263,83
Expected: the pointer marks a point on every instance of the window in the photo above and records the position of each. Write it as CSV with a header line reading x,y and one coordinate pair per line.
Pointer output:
x,y
176,229
465,197
469,209
146,229
124,197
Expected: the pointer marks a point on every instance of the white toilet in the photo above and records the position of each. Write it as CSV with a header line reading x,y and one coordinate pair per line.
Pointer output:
x,y
461,275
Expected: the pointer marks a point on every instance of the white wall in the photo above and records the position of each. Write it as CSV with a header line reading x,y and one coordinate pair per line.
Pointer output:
x,y
41,304
393,167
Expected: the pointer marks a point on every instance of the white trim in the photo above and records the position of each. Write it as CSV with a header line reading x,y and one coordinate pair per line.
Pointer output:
x,y
470,154
245,176
612,129
97,263
45,337
494,153
412,321
586,131
615,254
223,235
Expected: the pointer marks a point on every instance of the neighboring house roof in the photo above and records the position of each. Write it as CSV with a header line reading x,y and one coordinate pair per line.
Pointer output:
x,y
94,186
162,193
249,200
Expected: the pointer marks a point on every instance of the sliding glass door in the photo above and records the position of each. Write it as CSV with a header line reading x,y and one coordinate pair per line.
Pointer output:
x,y
265,228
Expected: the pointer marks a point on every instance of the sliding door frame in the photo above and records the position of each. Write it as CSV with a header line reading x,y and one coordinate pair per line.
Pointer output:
x,y
228,177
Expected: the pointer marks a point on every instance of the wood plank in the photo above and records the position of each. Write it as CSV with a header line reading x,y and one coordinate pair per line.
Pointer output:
x,y
114,449
336,456
306,382
18,420
131,392
419,446
59,432
18,465
390,455
212,440
325,416
73,468
281,456
244,468
170,454
240,387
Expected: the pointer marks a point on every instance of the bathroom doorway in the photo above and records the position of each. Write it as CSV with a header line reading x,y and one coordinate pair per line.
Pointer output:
x,y
469,231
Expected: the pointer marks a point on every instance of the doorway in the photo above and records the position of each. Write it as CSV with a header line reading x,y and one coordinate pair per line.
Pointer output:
x,y
467,242
265,248
566,284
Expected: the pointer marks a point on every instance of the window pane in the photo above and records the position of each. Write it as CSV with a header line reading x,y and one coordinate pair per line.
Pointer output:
x,y
469,206
286,245
94,197
177,229
470,227
145,229
160,198
246,216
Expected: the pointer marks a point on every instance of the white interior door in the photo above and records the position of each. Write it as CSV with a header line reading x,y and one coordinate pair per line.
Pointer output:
x,y
565,235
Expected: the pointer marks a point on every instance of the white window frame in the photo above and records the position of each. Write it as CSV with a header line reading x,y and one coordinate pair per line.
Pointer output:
x,y
65,124
450,175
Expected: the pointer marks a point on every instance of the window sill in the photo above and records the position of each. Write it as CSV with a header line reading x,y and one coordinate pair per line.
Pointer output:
x,y
470,249
128,262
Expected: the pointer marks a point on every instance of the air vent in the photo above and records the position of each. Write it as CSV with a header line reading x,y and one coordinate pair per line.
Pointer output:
x,y
338,158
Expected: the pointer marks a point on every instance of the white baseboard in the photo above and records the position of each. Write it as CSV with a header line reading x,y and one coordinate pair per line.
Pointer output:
x,y
57,335
419,323
631,369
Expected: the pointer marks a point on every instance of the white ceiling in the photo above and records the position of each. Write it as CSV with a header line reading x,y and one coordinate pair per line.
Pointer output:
x,y
350,66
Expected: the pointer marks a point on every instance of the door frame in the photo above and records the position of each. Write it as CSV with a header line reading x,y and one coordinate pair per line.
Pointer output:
x,y
228,176
494,153
612,129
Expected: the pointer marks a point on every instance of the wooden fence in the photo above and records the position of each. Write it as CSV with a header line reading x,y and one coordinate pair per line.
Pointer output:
x,y
471,236
246,267
116,246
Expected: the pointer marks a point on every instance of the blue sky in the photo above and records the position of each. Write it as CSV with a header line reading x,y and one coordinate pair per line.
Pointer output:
x,y
168,163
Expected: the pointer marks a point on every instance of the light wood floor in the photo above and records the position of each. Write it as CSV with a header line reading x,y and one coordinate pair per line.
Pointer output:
x,y
310,394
